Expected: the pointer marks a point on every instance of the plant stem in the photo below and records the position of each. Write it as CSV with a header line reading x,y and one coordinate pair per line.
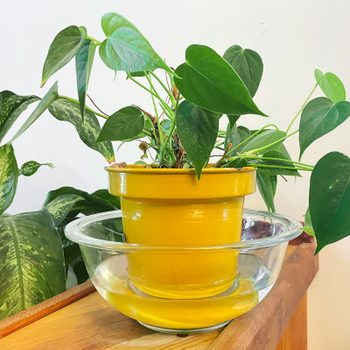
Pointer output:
x,y
279,167
302,107
86,107
98,108
257,150
173,101
163,103
243,156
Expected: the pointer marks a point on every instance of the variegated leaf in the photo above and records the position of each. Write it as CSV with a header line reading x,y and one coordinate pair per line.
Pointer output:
x,y
11,107
32,263
88,129
60,207
8,176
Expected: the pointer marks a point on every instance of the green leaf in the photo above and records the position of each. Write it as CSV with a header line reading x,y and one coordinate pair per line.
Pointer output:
x,y
278,160
197,129
267,187
95,202
329,198
63,48
207,80
88,129
124,124
331,85
45,102
247,64
61,206
263,139
32,265
31,167
236,136
319,117
125,48
83,64
308,224
8,176
11,107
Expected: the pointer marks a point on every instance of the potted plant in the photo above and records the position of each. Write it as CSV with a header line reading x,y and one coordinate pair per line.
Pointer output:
x,y
191,190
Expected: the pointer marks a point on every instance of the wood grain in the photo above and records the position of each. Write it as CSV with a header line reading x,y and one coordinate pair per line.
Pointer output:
x,y
295,335
262,328
92,324
47,307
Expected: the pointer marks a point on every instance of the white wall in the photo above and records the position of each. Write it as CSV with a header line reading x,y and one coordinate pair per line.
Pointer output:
x,y
293,37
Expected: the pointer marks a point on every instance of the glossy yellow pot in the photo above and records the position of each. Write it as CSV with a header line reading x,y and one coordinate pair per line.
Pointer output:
x,y
171,207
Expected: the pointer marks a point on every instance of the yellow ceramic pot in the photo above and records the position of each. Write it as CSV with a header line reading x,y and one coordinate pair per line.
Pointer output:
x,y
171,207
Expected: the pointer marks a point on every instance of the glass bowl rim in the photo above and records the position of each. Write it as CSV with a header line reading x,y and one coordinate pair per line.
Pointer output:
x,y
292,229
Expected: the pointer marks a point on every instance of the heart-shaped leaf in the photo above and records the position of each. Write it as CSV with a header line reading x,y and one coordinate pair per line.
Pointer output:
x,y
45,102
209,81
319,117
8,176
331,85
267,187
88,129
124,124
11,107
125,48
263,139
329,198
197,129
83,64
32,264
31,167
247,64
63,48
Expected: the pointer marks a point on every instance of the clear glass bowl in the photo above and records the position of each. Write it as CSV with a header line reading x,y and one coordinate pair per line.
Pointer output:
x,y
195,305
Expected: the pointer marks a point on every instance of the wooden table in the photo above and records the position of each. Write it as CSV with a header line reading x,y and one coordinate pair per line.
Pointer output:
x,y
80,319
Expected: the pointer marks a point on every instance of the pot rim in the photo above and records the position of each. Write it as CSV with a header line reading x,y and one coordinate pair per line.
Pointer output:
x,y
291,229
141,169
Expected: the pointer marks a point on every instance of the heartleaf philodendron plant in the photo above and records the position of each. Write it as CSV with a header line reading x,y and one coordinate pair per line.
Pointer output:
x,y
183,130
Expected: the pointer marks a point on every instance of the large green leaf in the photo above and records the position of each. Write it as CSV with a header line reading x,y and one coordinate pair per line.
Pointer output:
x,y
319,117
88,129
60,207
209,81
11,107
83,64
265,138
331,85
267,187
197,129
32,263
8,176
124,124
125,48
329,198
45,102
63,48
247,64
